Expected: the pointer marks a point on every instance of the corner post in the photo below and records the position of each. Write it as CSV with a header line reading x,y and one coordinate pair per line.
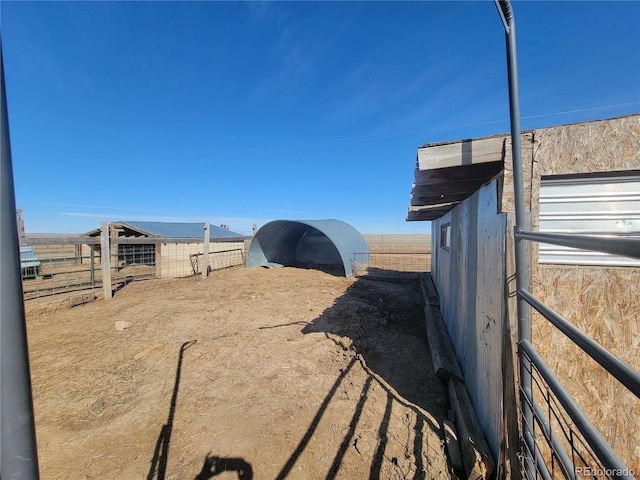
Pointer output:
x,y
105,253
205,250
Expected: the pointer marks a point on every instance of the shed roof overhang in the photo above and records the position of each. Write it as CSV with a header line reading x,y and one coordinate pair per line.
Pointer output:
x,y
448,173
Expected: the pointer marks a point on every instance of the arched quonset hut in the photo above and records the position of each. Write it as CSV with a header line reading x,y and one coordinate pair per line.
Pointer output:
x,y
326,243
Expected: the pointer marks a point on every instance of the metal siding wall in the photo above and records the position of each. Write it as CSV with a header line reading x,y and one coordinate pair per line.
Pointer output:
x,y
489,312
470,279
442,271
451,304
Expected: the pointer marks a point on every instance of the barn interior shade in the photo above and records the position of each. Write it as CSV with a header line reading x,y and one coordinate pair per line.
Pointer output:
x,y
307,243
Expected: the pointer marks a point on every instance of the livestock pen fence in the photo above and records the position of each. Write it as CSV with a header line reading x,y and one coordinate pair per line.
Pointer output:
x,y
401,253
75,269
559,436
368,263
70,268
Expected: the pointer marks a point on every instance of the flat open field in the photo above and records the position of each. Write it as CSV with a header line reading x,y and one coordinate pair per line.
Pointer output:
x,y
251,373
413,242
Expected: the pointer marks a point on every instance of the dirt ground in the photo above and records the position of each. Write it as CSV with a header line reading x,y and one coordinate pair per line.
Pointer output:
x,y
251,373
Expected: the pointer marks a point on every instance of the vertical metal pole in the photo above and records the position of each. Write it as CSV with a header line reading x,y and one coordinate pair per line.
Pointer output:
x,y
19,453
521,257
205,250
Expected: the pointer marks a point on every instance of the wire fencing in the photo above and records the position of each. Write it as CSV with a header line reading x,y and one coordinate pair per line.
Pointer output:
x,y
388,263
67,270
70,270
53,266
556,444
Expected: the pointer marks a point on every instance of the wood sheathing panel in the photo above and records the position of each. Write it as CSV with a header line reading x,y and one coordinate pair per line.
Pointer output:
x,y
602,302
602,146
507,198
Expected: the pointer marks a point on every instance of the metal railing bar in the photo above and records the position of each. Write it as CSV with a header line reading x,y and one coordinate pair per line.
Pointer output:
x,y
623,246
552,439
541,466
70,240
532,451
616,367
564,424
218,251
571,436
594,438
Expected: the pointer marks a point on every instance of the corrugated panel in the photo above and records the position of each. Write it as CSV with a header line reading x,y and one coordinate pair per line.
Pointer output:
x,y
180,230
28,257
470,279
604,205
287,242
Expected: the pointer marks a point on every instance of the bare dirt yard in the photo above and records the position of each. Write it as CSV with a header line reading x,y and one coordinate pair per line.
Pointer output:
x,y
251,373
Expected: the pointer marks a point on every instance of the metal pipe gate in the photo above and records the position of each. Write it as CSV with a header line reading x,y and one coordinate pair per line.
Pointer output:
x,y
543,451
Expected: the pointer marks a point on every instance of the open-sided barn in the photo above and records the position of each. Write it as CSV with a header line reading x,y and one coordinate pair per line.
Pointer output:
x,y
184,245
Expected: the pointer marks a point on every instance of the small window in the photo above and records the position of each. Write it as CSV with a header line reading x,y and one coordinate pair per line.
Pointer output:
x,y
445,236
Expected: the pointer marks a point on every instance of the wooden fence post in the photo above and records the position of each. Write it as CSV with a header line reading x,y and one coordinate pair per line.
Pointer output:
x,y
105,253
205,250
93,264
158,259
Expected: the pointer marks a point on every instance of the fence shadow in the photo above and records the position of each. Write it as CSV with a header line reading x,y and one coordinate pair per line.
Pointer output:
x,y
384,318
386,325
213,465
158,469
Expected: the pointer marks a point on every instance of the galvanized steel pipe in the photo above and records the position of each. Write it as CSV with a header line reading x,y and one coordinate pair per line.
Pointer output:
x,y
19,455
521,259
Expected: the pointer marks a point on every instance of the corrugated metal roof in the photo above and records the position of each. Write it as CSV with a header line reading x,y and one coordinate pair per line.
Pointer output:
x,y
323,242
178,229
28,257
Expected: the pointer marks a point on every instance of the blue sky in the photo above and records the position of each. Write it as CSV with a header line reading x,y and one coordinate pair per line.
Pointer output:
x,y
246,112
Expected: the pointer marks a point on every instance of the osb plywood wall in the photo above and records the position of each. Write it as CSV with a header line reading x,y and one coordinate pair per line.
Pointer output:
x,y
601,146
507,197
602,302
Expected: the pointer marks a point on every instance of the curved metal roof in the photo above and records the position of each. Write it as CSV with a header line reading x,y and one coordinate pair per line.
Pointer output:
x,y
306,242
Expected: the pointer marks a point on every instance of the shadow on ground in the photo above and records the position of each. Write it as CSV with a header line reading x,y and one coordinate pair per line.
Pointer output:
x,y
384,318
212,465
380,321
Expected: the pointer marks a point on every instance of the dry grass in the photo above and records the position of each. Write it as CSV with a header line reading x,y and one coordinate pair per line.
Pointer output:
x,y
398,242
